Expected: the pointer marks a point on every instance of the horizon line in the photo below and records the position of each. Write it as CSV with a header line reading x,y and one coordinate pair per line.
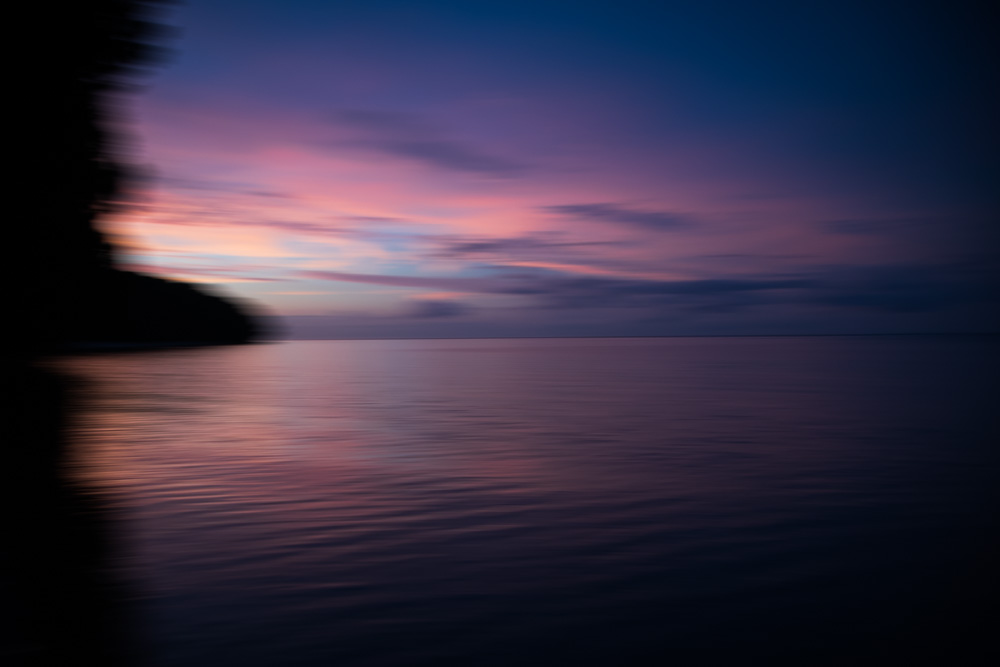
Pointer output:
x,y
796,335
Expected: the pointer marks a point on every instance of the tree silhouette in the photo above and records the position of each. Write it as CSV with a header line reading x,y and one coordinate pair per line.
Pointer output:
x,y
83,57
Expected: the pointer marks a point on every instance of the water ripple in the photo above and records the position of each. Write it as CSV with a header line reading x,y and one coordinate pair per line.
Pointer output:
x,y
538,502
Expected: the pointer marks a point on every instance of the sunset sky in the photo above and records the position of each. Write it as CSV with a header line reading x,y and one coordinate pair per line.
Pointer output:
x,y
373,168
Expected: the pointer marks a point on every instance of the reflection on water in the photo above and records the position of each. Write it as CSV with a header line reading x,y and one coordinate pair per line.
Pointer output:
x,y
751,501
62,601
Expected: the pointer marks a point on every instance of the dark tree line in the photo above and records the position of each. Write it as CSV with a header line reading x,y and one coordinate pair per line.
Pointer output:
x,y
61,601
69,171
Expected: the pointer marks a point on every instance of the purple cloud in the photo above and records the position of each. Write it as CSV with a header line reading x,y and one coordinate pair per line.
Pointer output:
x,y
622,215
481,285
518,246
436,308
407,136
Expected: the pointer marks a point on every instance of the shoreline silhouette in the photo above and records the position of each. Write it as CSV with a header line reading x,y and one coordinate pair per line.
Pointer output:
x,y
74,293
66,602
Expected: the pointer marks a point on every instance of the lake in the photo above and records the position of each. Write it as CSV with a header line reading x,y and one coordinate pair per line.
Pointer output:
x,y
662,501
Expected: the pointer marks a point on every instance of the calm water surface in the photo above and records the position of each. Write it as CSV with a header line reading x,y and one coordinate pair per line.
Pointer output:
x,y
713,501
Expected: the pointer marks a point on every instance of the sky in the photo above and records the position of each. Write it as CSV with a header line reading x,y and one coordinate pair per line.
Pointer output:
x,y
398,169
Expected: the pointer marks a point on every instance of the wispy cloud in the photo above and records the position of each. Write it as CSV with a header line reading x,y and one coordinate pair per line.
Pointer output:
x,y
236,218
437,308
532,245
213,274
907,287
887,289
237,187
562,289
910,288
709,294
618,214
870,226
410,137
455,284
